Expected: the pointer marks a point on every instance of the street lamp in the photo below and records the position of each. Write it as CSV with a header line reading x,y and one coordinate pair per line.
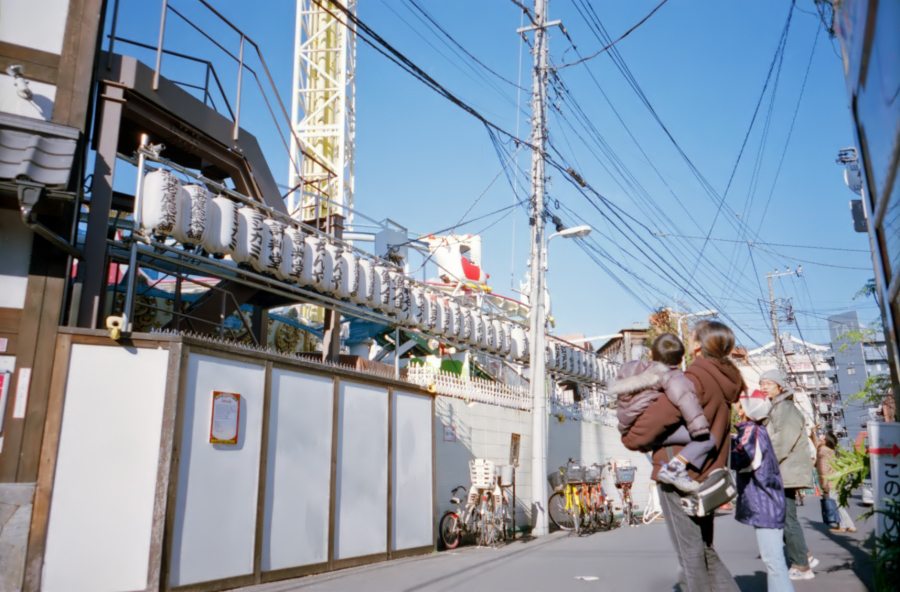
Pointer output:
x,y
537,384
702,313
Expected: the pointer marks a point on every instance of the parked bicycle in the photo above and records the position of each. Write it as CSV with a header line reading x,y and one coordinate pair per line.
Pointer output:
x,y
486,514
579,502
624,474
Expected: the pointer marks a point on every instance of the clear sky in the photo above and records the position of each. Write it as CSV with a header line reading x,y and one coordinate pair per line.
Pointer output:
x,y
701,65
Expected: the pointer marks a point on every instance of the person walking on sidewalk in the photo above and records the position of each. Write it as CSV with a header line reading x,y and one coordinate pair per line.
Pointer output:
x,y
718,384
760,501
787,429
824,455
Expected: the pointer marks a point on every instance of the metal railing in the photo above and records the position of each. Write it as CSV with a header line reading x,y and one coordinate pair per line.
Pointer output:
x,y
469,388
268,93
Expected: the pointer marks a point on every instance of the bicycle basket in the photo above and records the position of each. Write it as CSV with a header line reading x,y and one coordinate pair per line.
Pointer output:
x,y
592,474
575,472
556,480
482,473
625,474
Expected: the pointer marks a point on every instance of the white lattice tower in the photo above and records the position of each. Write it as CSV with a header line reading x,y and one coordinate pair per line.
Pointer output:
x,y
323,110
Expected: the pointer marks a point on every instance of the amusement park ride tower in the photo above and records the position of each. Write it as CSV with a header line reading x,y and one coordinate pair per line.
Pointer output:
x,y
323,111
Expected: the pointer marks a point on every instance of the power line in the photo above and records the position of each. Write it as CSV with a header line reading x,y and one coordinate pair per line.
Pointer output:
x,y
623,36
732,240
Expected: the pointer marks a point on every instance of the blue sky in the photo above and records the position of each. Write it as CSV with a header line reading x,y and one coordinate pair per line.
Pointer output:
x,y
702,65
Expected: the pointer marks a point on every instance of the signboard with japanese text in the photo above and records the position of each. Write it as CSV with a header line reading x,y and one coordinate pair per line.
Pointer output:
x,y
884,451
226,418
449,434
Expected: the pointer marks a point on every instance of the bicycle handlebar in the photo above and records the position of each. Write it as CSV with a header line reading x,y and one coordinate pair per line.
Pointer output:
x,y
457,488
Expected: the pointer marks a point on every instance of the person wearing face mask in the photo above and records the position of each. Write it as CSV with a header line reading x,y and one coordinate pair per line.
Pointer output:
x,y
760,502
787,429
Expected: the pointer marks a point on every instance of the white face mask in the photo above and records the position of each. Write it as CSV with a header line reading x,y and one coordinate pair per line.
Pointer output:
x,y
756,406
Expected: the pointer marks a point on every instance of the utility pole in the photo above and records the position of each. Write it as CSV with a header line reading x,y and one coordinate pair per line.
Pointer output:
x,y
537,314
779,350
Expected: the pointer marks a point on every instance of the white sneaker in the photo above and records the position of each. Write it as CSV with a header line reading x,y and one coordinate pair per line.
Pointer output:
x,y
813,561
795,573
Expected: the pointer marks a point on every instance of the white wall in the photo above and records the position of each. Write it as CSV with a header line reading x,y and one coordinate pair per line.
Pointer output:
x,y
15,244
362,471
215,511
38,24
101,511
412,524
298,471
483,431
39,106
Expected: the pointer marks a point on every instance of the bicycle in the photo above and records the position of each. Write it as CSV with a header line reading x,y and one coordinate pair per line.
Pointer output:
x,y
624,475
486,508
653,509
568,506
601,504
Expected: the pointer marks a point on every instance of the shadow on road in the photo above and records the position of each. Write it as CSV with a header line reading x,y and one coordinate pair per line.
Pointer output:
x,y
860,561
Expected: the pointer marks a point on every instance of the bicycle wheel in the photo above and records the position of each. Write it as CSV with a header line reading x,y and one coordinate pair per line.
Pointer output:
x,y
488,530
557,511
449,530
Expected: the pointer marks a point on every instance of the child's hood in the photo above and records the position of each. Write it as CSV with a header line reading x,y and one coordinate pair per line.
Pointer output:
x,y
638,376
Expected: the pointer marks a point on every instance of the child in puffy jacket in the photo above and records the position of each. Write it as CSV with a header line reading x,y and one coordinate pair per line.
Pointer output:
x,y
640,383
760,501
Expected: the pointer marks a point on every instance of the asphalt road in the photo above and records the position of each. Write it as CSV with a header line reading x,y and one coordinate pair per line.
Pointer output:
x,y
638,559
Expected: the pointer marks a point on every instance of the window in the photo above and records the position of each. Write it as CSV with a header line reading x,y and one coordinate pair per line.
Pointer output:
x,y
851,370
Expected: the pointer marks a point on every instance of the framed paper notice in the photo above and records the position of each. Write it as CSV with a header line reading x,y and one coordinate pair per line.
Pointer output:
x,y
226,417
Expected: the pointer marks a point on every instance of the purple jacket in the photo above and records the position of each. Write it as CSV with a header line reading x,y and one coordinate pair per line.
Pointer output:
x,y
760,499
641,382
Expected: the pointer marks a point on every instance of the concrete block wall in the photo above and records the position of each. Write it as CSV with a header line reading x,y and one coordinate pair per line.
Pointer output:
x,y
484,431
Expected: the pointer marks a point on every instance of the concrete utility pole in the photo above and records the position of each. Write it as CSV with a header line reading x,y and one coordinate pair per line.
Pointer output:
x,y
537,314
779,350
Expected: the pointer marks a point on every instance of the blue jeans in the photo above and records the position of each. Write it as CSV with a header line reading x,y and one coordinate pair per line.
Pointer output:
x,y
771,549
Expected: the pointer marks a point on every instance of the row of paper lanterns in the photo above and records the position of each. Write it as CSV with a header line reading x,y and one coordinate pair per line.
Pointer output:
x,y
193,216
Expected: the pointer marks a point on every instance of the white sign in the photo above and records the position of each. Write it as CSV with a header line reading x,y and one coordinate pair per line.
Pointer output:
x,y
4,343
884,451
852,177
226,415
22,393
5,378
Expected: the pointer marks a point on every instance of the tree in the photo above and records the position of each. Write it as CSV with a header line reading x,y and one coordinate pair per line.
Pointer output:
x,y
664,321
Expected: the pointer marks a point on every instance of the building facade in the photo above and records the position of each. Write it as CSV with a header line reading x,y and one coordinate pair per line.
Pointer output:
x,y
859,353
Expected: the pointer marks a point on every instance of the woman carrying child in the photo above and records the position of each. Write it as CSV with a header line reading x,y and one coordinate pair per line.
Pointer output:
x,y
717,383
761,501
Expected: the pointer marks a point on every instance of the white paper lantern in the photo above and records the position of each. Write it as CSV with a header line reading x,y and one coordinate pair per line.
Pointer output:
x,y
163,203
273,248
313,252
191,228
468,324
507,328
550,357
346,275
249,236
285,270
417,308
456,320
517,348
478,338
402,299
221,228
382,287
366,282
332,254
496,336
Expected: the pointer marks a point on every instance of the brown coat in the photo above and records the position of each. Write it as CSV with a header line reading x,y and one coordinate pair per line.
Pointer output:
x,y
718,384
824,457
